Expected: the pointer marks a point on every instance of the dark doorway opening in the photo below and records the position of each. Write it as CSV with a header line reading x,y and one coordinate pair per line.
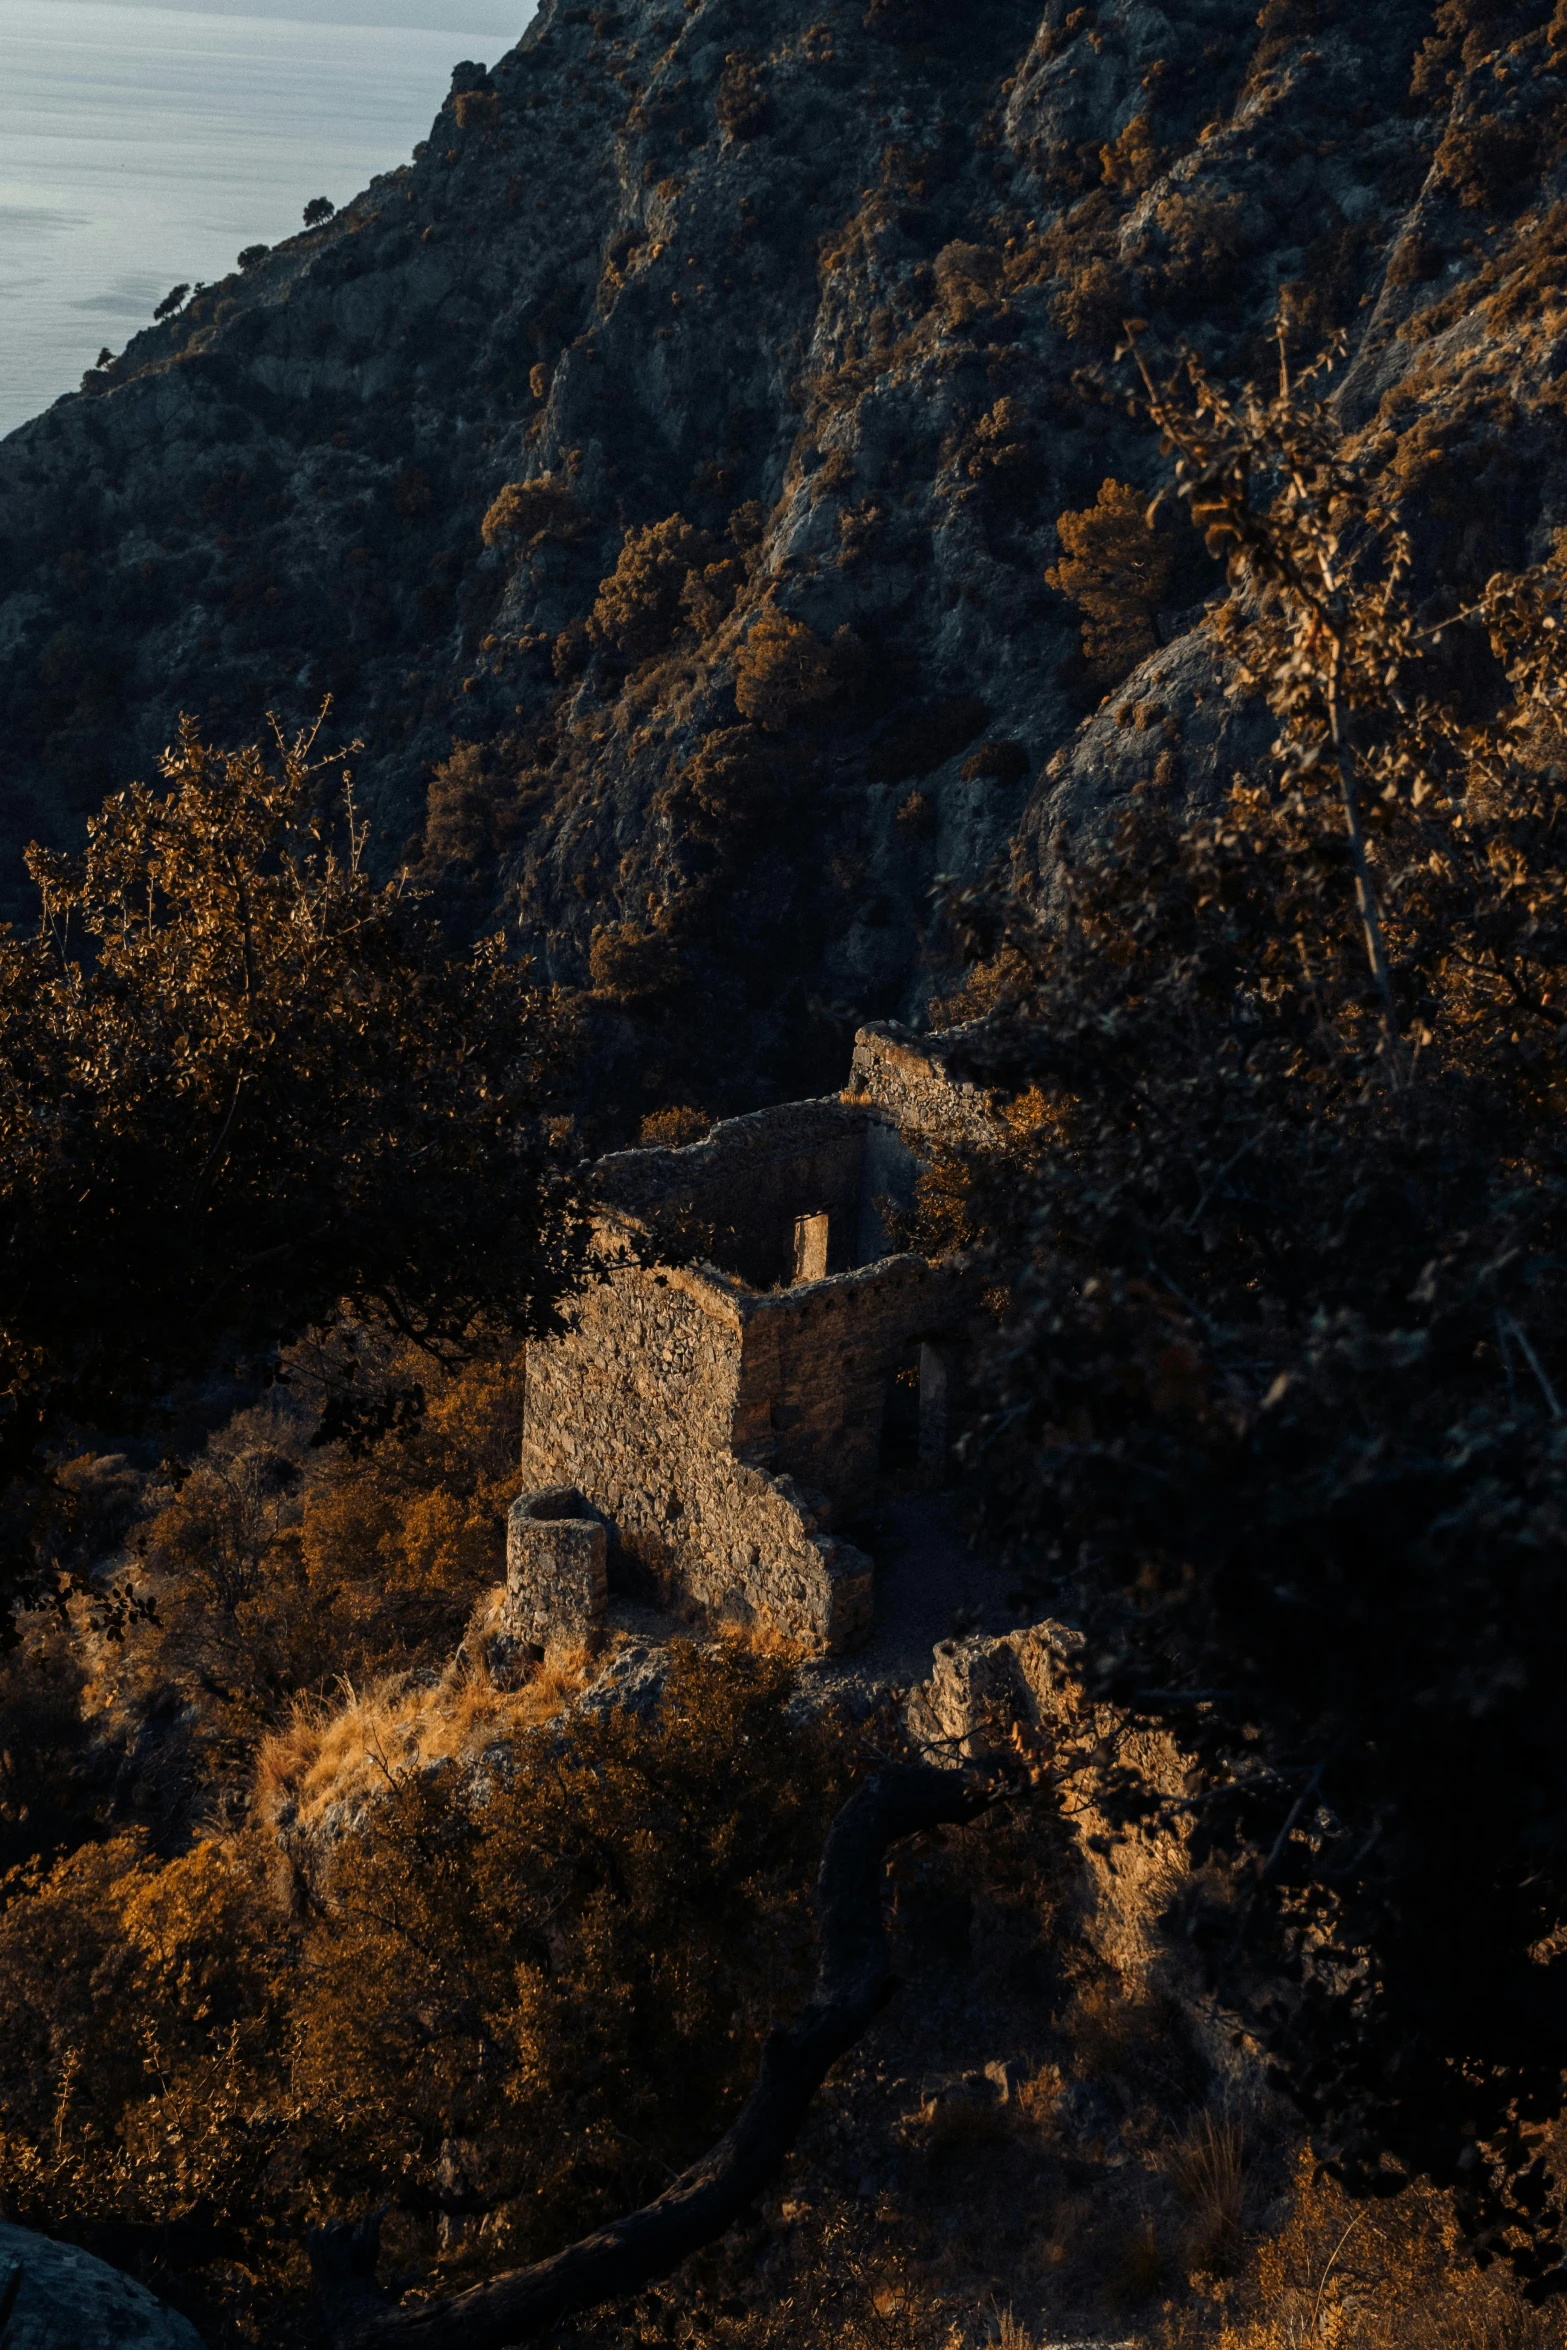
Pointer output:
x,y
916,1432
900,1423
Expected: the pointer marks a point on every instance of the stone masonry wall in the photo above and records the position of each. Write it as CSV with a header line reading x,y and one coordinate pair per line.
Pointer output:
x,y
745,1184
906,1078
636,1409
816,1364
723,1421
556,1566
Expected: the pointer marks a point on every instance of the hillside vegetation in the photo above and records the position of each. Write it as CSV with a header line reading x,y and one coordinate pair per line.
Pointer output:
x,y
1045,523
693,476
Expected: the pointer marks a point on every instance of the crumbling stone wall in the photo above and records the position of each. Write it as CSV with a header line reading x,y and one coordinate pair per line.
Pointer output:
x,y
741,1192
906,1078
556,1566
723,1422
724,1432
636,1409
816,1365
985,1698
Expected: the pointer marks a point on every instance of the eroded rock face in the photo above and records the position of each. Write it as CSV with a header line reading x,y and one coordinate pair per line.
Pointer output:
x,y
788,323
53,2297
989,1698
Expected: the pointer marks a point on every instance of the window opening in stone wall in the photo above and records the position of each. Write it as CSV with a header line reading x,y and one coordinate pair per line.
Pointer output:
x,y
810,1246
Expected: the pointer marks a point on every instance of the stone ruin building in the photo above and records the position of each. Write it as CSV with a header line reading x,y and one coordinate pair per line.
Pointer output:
x,y
710,1432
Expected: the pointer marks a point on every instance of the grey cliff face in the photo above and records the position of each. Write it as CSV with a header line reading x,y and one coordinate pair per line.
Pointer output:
x,y
826,294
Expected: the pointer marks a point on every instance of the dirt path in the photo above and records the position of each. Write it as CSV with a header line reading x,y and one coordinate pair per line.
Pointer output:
x,y
929,1586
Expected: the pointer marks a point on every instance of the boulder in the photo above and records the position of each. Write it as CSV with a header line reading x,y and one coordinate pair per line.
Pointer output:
x,y
54,2297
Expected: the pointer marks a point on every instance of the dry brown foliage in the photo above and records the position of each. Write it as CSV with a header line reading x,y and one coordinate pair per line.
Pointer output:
x,y
743,104
1341,2275
783,671
661,571
531,510
1284,1254
508,1996
1116,569
1131,162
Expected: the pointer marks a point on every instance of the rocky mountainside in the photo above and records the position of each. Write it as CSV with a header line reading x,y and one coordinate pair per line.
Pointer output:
x,y
662,471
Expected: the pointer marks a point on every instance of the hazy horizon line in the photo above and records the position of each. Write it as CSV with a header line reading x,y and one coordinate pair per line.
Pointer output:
x,y
462,18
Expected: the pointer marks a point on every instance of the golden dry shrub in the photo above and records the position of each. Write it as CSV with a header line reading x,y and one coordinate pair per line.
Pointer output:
x,y
1204,241
143,2006
1533,274
459,809
215,1536
640,606
1481,160
969,282
734,776
47,1794
477,110
629,962
1414,261
783,671
1116,569
278,1568
918,817
331,1763
478,801
1092,303
709,594
1466,33
743,105
552,1980
1392,2275
1000,452
398,1544
1212,2162
605,1933
1284,25
529,511
1131,161
1003,760
673,1128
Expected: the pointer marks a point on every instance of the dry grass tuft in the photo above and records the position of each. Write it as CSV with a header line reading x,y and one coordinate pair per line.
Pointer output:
x,y
1210,2171
1340,2275
760,1637
1011,2333
319,1774
1039,2097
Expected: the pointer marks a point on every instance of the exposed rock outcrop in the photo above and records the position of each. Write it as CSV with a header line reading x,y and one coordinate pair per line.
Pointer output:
x,y
52,2295
786,328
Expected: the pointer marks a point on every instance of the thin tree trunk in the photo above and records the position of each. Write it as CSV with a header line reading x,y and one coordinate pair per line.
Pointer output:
x,y
852,1982
1365,893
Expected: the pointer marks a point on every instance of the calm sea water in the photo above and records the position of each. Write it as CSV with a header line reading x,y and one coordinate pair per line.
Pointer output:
x,y
142,146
